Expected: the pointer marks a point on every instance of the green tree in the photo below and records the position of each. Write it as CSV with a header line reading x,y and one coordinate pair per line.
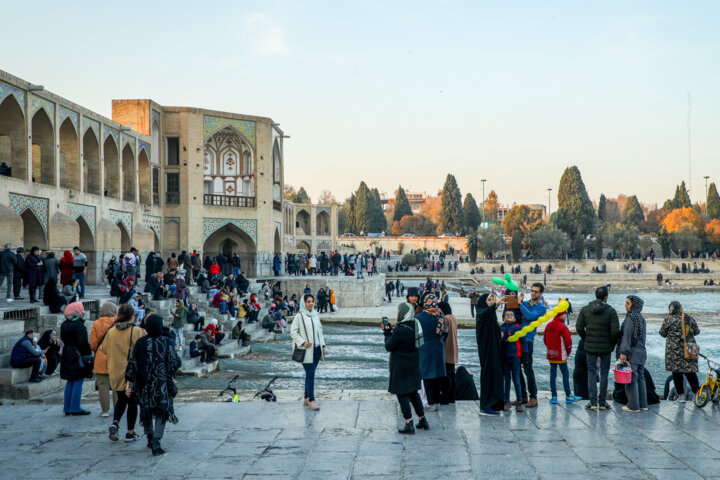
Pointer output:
x,y
633,214
344,215
378,222
575,210
682,198
361,211
523,218
490,240
472,213
302,196
549,242
686,240
402,206
415,224
452,219
599,244
516,245
665,242
612,213
623,238
579,244
713,202
472,246
602,209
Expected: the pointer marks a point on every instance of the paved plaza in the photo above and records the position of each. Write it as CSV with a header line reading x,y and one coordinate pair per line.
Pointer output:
x,y
357,440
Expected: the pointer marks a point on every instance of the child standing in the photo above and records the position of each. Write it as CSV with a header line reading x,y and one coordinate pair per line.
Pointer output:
x,y
512,351
558,341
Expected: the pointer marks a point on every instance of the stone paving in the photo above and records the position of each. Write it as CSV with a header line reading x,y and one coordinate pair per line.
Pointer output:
x,y
357,440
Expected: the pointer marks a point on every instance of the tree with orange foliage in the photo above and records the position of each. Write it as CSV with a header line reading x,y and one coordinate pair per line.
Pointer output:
x,y
682,219
415,224
712,231
431,208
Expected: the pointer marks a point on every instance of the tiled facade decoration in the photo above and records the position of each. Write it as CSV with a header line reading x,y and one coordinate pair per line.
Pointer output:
x,y
66,113
128,140
111,131
19,95
144,146
36,103
155,118
90,123
87,212
213,124
155,223
211,225
122,217
171,219
39,206
323,209
324,245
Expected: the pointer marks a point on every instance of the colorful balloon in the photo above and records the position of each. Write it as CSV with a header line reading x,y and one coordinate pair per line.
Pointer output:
x,y
560,308
507,282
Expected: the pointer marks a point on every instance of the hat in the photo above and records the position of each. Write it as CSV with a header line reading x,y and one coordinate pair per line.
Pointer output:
x,y
20,250
35,339
412,291
8,246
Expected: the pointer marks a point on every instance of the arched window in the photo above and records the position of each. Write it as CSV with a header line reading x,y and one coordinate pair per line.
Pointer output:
x,y
229,168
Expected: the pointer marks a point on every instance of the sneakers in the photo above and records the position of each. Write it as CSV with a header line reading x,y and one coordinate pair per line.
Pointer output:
x,y
590,406
489,412
431,408
9,300
603,407
35,379
571,399
104,414
532,403
507,407
113,432
629,410
681,399
644,409
131,437
553,401
518,408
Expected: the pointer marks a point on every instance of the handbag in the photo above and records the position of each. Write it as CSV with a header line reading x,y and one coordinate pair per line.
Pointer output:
x,y
298,353
690,349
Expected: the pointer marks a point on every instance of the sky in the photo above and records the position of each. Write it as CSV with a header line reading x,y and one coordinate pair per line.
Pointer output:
x,y
405,92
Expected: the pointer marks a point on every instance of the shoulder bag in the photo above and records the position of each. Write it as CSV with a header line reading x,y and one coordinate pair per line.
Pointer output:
x,y
690,349
298,353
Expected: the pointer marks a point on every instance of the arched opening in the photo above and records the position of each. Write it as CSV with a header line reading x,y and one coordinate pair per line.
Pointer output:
x,y
112,172
277,176
278,245
91,163
303,247
43,153
33,232
322,224
87,245
144,178
156,185
171,231
13,143
69,156
302,221
156,241
128,174
124,238
155,147
229,240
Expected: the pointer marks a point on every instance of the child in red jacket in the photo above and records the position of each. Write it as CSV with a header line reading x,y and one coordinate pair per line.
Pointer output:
x,y
558,341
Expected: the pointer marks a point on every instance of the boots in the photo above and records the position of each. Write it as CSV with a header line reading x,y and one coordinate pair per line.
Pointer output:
x,y
408,429
149,439
156,448
423,424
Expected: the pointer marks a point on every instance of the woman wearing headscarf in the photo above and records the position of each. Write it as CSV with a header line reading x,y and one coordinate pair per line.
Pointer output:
x,y
66,268
489,339
118,346
403,343
33,270
632,350
98,332
75,345
447,389
180,286
52,298
432,352
149,377
51,269
129,290
675,360
307,334
50,343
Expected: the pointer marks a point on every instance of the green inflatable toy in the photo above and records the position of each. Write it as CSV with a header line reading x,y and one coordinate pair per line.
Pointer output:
x,y
507,282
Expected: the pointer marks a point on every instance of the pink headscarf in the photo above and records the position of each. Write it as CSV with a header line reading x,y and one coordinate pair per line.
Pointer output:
x,y
75,308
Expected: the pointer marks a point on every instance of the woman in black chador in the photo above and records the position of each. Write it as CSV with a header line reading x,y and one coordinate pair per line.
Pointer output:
x,y
487,334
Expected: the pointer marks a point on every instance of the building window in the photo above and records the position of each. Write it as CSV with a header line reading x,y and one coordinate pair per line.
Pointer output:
x,y
173,151
173,188
156,186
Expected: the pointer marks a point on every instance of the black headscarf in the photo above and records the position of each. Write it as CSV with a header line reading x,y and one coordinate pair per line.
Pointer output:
x,y
675,307
488,336
154,325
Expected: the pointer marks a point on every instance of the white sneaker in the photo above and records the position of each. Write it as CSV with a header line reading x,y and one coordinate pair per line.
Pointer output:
x,y
9,300
681,399
626,409
104,414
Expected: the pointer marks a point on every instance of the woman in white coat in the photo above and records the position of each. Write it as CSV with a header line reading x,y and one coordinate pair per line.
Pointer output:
x,y
306,333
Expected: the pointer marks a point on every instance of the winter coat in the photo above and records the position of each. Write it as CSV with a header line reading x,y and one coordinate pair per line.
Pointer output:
x,y
404,359
22,351
33,270
180,289
180,317
172,263
118,345
7,262
451,342
99,328
510,349
558,341
633,333
599,327
66,268
432,352
51,269
304,328
671,329
75,344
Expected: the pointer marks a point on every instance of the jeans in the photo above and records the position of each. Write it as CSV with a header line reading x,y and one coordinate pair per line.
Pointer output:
x,y
178,335
592,360
527,363
73,394
405,401
7,278
637,391
156,432
132,409
33,362
472,310
236,271
81,283
310,374
130,271
223,307
565,376
511,369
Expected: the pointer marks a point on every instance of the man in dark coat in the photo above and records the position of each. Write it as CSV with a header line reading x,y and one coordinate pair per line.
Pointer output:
x,y
489,339
7,267
18,273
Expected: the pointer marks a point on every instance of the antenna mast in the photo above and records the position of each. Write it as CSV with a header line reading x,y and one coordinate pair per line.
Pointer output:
x,y
689,111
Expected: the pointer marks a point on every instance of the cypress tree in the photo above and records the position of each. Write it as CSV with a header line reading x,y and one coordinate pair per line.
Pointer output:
x,y
471,212
602,208
633,214
363,203
452,219
378,222
599,245
681,199
575,210
472,245
302,196
665,240
579,244
516,245
713,202
402,206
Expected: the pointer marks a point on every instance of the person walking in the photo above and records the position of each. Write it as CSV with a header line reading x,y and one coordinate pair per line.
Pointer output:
x,y
33,271
531,310
306,333
118,346
98,332
632,350
447,388
7,265
403,343
73,361
150,377
80,264
599,327
474,297
432,352
489,341
678,328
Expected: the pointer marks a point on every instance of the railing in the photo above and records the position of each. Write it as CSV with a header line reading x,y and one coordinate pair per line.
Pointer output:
x,y
228,201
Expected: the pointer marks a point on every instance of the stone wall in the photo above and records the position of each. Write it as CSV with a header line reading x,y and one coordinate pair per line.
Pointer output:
x,y
349,291
409,243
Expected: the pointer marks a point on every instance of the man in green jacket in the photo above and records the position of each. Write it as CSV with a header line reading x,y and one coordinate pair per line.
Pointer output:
x,y
598,326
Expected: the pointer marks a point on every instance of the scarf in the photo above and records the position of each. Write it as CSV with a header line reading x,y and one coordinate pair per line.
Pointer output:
x,y
75,309
636,317
430,305
406,313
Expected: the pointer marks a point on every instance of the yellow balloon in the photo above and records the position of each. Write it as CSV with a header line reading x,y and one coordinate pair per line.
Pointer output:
x,y
561,307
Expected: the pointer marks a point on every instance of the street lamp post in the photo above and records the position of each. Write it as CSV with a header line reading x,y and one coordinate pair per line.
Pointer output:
x,y
549,190
706,191
483,202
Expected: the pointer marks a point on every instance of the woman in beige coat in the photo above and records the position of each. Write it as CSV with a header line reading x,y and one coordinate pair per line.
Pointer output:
x,y
118,346
307,334
100,327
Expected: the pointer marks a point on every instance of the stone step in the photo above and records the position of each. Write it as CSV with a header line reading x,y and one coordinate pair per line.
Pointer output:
x,y
27,390
201,369
13,376
12,327
5,360
57,397
233,350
